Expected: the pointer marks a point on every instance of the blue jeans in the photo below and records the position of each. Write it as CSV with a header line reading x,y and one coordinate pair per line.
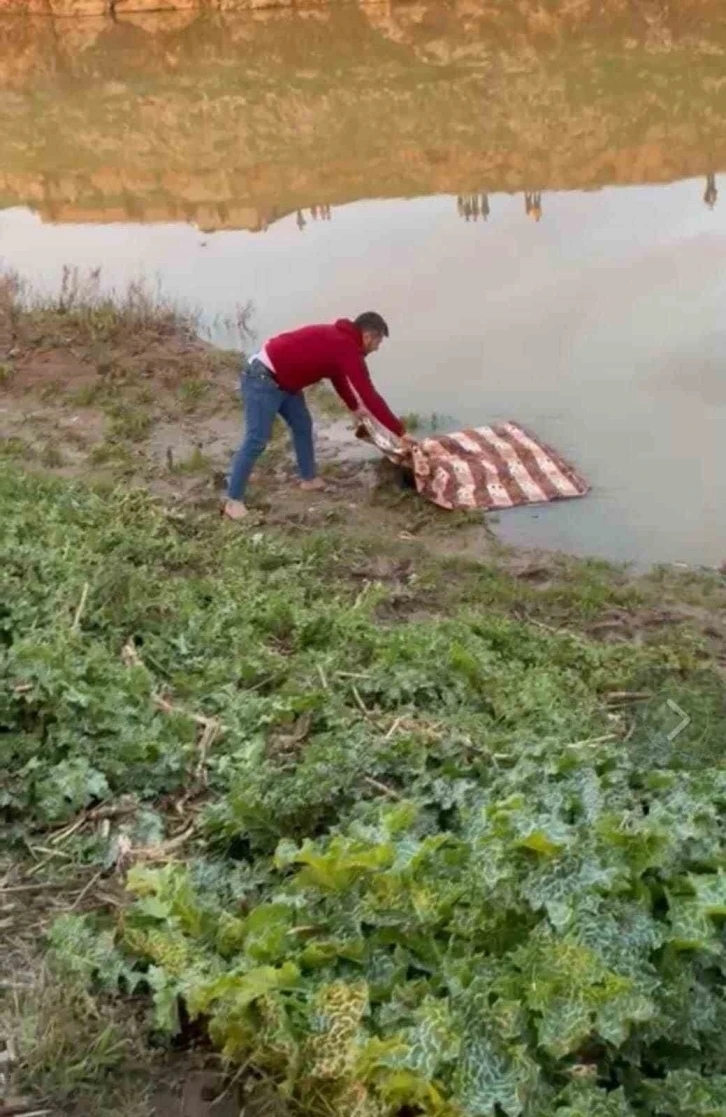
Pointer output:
x,y
263,401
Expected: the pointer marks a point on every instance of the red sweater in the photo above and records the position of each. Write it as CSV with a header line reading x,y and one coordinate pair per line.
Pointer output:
x,y
335,353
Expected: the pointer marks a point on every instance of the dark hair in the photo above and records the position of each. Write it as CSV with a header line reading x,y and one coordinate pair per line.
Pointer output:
x,y
370,322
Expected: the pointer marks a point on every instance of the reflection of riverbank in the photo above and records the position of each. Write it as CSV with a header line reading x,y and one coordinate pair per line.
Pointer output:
x,y
208,218
424,22
63,202
233,122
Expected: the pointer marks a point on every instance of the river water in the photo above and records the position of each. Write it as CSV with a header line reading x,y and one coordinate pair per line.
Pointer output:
x,y
528,193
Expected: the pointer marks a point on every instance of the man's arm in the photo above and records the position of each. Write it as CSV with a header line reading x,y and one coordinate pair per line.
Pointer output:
x,y
353,384
344,390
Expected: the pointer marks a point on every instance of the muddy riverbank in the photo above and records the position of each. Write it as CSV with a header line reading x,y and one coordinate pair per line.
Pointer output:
x,y
133,613
122,391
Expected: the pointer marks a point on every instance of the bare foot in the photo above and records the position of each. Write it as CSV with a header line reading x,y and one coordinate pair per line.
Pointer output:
x,y
316,485
235,510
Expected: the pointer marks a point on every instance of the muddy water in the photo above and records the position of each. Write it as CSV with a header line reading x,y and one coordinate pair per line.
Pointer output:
x,y
529,193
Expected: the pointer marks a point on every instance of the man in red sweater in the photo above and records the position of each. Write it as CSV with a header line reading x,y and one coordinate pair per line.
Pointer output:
x,y
274,383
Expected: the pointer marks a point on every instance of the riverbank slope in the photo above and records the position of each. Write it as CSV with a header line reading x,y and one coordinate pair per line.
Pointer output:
x,y
251,776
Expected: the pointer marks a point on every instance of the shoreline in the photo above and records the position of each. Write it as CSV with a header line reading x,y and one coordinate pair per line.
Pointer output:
x,y
85,394
132,393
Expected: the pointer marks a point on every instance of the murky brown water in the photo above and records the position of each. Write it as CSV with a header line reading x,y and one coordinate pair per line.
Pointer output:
x,y
528,192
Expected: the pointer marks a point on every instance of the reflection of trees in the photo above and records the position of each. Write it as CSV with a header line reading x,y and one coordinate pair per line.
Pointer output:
x,y
533,205
317,213
473,206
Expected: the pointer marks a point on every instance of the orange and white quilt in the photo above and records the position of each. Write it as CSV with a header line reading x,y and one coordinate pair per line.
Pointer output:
x,y
500,466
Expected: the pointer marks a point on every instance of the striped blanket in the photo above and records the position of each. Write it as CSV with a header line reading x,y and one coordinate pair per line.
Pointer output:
x,y
500,466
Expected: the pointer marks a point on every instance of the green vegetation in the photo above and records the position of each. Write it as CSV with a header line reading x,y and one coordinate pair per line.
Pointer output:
x,y
129,359
52,456
84,310
192,391
15,448
418,424
129,425
79,1049
412,422
395,838
197,462
112,452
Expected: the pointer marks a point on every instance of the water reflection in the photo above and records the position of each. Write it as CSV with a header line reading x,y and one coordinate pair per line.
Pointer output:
x,y
533,205
316,213
502,125
239,121
473,206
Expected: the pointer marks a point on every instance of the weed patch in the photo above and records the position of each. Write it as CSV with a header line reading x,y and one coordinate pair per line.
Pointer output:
x,y
129,424
16,448
192,391
123,352
197,462
111,452
458,864
72,1047
52,456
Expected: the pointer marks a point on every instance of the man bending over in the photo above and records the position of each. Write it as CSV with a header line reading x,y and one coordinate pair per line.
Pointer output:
x,y
274,383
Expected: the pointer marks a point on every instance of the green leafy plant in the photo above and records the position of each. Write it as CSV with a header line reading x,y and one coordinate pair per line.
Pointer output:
x,y
433,867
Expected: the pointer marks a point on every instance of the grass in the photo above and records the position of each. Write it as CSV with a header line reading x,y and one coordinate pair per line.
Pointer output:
x,y
193,391
52,456
16,448
83,309
129,424
111,452
51,390
176,691
89,395
122,332
130,359
86,310
197,462
310,648
76,1048
420,424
